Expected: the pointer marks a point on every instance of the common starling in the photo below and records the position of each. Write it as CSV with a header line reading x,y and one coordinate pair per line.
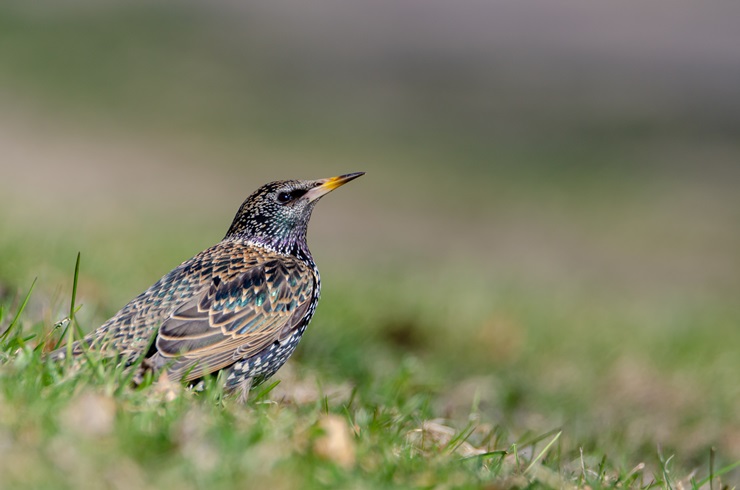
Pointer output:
x,y
240,306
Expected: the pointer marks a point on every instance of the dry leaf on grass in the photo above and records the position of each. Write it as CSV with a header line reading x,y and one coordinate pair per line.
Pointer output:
x,y
336,443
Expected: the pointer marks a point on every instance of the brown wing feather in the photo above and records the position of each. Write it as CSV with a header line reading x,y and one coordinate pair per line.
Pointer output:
x,y
235,318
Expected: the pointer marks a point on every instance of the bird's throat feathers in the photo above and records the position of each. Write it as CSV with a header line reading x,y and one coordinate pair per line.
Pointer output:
x,y
290,241
282,234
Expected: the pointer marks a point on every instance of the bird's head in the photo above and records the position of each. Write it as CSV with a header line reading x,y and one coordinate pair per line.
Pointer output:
x,y
276,215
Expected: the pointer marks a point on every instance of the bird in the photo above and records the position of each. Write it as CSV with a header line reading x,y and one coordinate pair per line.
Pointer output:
x,y
240,306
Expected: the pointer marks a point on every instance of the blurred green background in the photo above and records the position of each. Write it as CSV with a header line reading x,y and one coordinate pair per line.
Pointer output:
x,y
550,220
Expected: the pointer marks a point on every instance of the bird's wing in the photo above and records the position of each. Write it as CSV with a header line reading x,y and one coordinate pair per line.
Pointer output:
x,y
236,317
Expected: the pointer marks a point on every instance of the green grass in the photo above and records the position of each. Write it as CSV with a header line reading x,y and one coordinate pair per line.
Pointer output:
x,y
508,395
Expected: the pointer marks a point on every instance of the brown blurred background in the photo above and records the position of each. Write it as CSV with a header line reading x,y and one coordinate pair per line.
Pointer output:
x,y
551,141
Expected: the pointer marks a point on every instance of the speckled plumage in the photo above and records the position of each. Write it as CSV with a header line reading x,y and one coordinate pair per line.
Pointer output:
x,y
241,305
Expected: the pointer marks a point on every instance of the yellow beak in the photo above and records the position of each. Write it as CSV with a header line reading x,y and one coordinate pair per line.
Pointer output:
x,y
325,186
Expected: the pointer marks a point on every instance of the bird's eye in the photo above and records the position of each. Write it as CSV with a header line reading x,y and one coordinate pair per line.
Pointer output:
x,y
284,197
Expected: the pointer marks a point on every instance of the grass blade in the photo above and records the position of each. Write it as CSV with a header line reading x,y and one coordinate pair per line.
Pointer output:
x,y
71,325
497,452
718,473
460,438
542,453
14,322
265,391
